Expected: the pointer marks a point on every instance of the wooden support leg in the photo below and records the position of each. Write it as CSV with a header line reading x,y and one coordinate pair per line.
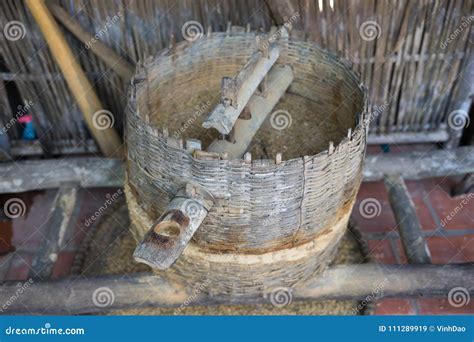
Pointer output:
x,y
409,226
465,186
63,213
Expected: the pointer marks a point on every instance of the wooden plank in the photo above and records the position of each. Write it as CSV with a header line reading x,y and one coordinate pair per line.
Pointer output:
x,y
408,224
140,290
106,54
164,243
237,92
22,148
408,137
34,175
418,165
279,79
101,172
62,218
82,90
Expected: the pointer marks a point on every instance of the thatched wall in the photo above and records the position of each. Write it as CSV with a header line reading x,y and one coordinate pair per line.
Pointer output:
x,y
410,54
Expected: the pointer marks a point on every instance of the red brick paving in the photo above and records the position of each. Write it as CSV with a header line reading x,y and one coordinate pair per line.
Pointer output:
x,y
63,265
394,307
449,241
436,306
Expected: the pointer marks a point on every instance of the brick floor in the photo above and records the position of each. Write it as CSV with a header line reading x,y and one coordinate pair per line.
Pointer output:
x,y
449,240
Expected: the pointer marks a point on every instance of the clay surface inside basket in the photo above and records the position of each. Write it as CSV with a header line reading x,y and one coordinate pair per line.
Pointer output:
x,y
322,103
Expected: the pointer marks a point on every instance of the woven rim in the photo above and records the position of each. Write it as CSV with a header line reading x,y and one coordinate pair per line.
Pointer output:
x,y
263,205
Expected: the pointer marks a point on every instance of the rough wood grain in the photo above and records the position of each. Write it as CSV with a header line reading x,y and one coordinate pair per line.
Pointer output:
x,y
169,236
34,175
245,84
408,224
417,165
101,172
279,79
114,61
57,231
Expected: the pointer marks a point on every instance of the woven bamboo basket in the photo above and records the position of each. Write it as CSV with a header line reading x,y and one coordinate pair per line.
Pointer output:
x,y
274,221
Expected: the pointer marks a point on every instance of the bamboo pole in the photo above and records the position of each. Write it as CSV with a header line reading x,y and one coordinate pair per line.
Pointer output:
x,y
106,137
72,295
106,54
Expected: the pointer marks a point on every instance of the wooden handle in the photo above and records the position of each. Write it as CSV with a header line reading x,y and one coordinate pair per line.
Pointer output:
x,y
279,79
238,91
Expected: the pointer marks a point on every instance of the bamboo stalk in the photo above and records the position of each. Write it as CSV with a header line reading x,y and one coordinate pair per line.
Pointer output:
x,y
107,139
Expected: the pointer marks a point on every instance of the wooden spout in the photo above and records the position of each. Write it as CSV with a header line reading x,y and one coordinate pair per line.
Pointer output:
x,y
171,233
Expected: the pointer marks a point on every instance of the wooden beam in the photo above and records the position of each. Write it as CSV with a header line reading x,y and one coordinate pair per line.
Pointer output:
x,y
408,224
83,92
465,186
106,54
34,175
417,165
441,135
101,172
63,212
22,148
238,91
140,290
279,79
